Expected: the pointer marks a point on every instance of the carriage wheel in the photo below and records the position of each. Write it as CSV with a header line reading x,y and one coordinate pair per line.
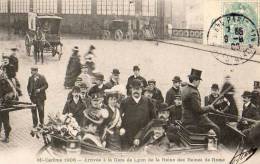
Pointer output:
x,y
119,35
106,35
47,151
129,35
140,35
28,45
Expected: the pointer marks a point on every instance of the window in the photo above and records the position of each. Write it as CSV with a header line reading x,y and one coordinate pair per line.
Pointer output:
x,y
149,7
45,6
3,6
76,6
115,7
20,6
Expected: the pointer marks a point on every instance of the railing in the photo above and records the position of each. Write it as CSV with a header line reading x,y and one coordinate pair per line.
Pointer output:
x,y
187,33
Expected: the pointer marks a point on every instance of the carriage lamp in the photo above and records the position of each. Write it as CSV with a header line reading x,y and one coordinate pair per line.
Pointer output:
x,y
212,140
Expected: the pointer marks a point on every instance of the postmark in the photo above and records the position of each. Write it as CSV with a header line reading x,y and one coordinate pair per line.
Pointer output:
x,y
237,34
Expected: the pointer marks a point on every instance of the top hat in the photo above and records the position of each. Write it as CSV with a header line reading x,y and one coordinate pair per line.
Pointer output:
x,y
214,87
136,68
99,76
93,116
76,48
246,94
196,74
136,84
34,68
256,84
115,71
151,81
176,79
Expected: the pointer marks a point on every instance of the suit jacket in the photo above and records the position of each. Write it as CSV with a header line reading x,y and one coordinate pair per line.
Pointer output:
x,y
135,116
157,95
130,81
192,111
14,62
170,95
250,112
35,82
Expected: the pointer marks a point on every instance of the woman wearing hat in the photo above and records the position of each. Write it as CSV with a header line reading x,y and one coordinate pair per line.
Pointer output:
x,y
73,69
113,122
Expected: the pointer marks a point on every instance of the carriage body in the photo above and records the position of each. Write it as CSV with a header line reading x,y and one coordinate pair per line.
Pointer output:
x,y
118,30
49,25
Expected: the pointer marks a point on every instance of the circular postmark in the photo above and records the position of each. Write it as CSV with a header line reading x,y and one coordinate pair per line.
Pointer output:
x,y
237,34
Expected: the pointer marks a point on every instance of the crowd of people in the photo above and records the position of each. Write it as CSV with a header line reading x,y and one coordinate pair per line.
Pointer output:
x,y
119,117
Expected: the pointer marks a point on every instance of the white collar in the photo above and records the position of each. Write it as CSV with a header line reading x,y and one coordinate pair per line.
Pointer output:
x,y
100,86
247,104
137,99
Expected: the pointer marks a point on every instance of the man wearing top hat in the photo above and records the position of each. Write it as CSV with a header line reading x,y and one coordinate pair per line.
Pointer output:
x,y
157,94
114,80
193,115
73,69
174,90
249,111
256,94
36,88
99,84
136,75
137,111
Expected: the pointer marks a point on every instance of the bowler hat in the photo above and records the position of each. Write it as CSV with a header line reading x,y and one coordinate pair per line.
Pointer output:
x,y
115,71
256,84
163,107
99,76
176,79
196,74
148,89
14,49
34,68
96,95
151,81
76,89
76,48
246,94
136,84
92,47
214,87
94,116
136,68
158,123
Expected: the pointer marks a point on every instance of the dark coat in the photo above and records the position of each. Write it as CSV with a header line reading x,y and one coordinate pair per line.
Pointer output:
x,y
75,109
110,84
130,81
157,95
192,111
73,71
34,84
250,112
135,116
170,95
14,61
256,98
10,70
5,89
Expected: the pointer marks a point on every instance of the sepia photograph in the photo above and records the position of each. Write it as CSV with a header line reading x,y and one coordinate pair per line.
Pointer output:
x,y
129,81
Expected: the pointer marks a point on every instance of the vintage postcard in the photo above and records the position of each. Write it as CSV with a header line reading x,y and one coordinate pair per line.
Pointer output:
x,y
129,81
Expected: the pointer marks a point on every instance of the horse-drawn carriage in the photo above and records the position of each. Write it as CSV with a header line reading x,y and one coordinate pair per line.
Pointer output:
x,y
43,35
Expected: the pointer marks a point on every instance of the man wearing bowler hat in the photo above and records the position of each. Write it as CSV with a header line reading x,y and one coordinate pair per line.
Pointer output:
x,y
174,90
114,80
36,88
136,75
99,86
256,94
137,111
193,115
157,94
249,111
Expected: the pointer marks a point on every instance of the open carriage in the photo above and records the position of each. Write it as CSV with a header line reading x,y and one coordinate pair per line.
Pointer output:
x,y
49,26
